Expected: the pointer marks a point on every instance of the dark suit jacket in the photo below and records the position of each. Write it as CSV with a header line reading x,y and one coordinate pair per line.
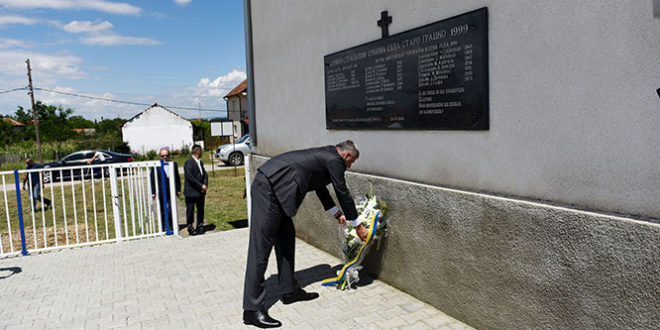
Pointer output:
x,y
177,180
294,173
194,179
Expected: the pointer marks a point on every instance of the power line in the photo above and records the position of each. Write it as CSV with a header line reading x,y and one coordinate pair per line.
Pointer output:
x,y
132,103
13,90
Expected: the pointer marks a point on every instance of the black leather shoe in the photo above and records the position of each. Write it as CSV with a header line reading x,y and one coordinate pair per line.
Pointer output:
x,y
200,230
298,295
192,232
260,319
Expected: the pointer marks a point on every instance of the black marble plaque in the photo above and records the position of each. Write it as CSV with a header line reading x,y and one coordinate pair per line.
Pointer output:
x,y
432,77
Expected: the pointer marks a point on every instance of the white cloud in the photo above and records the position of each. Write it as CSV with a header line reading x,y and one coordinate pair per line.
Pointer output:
x,y
17,19
86,26
182,2
13,43
12,63
116,40
221,85
99,5
207,94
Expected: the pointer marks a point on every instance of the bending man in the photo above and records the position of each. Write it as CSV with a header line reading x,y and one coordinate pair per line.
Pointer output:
x,y
277,191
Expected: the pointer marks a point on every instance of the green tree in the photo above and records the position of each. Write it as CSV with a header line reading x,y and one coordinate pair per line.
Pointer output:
x,y
6,135
81,122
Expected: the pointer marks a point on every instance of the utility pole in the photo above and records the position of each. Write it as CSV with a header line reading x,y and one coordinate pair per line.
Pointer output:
x,y
34,113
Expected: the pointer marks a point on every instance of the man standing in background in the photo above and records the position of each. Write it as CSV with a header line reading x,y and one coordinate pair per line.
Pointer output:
x,y
194,190
156,180
36,183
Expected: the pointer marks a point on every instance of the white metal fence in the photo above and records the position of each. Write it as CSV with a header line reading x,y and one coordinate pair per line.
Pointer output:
x,y
85,205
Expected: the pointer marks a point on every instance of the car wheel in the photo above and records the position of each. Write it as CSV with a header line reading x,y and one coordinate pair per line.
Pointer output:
x,y
236,159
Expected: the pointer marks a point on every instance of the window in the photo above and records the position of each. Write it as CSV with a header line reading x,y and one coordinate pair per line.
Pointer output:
x,y
72,157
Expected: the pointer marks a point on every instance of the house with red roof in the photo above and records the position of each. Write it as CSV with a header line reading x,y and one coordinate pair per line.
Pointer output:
x,y
16,125
237,108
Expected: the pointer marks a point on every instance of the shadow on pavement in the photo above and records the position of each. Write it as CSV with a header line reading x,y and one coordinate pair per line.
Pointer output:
x,y
305,277
238,223
10,270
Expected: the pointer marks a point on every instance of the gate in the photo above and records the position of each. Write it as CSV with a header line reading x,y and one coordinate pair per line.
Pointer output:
x,y
85,205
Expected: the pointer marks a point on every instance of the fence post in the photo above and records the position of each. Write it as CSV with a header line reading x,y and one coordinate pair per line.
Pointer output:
x,y
114,191
168,231
20,212
174,214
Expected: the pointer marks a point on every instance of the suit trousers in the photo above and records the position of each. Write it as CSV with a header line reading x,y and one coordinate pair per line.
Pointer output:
x,y
269,227
191,203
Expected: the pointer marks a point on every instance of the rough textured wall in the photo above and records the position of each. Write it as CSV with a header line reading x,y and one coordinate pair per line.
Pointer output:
x,y
573,108
500,263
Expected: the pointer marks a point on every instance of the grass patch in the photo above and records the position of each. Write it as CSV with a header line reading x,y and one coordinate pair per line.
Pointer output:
x,y
225,206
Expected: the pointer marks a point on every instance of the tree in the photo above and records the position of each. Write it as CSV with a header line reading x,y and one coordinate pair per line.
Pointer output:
x,y
54,125
6,136
80,122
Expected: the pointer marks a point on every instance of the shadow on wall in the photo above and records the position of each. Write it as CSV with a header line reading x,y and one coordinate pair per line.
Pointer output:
x,y
373,261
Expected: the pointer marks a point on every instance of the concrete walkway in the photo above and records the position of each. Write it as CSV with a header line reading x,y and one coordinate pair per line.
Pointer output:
x,y
191,283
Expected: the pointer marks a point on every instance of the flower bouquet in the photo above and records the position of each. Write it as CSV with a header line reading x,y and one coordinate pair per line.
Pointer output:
x,y
372,216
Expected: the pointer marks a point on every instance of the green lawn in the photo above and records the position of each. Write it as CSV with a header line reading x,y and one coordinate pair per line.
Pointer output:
x,y
225,206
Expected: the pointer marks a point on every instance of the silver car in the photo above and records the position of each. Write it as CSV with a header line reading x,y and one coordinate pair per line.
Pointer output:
x,y
234,154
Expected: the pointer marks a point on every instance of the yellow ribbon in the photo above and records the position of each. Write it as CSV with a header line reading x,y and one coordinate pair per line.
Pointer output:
x,y
340,277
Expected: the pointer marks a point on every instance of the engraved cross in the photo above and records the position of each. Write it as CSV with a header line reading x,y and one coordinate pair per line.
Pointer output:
x,y
384,23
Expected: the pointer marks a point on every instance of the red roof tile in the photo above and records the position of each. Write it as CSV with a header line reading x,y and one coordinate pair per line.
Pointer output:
x,y
238,89
13,122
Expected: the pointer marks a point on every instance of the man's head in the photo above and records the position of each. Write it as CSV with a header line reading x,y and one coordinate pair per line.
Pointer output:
x,y
29,162
348,151
197,151
164,153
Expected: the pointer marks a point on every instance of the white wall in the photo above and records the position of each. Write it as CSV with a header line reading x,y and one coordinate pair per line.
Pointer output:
x,y
574,115
155,128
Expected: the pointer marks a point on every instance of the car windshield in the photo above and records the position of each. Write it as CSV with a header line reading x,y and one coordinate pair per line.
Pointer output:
x,y
243,138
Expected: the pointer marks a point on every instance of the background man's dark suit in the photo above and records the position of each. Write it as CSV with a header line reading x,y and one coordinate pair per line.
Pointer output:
x,y
277,191
157,181
192,190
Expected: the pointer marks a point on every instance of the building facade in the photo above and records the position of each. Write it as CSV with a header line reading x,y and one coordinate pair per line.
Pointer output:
x,y
157,127
237,108
548,219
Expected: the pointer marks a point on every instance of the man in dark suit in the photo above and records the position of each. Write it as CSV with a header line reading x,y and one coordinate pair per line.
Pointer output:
x,y
156,181
277,191
195,190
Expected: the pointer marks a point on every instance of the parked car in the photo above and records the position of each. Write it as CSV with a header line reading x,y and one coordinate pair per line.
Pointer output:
x,y
234,154
79,158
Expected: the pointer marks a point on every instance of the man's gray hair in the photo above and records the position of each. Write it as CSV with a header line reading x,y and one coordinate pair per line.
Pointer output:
x,y
196,148
348,145
166,148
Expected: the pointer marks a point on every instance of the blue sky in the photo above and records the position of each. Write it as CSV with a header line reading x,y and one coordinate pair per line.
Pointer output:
x,y
185,53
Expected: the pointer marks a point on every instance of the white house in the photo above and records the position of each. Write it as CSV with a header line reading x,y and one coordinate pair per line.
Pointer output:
x,y
157,127
237,108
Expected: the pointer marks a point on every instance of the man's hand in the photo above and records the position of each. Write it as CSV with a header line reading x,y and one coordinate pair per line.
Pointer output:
x,y
342,220
153,196
24,187
178,194
204,188
361,232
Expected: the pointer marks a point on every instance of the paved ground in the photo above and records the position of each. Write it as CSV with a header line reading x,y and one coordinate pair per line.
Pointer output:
x,y
191,283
